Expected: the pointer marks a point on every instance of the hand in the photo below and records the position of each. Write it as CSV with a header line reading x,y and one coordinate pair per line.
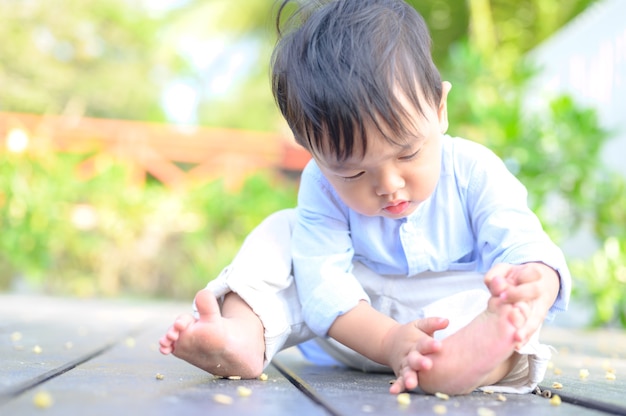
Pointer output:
x,y
409,346
533,287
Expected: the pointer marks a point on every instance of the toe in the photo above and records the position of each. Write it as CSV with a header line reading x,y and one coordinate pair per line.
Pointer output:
x,y
182,323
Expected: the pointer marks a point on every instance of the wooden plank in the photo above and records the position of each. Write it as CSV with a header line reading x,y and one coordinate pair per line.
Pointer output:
x,y
590,366
113,364
40,335
123,381
348,392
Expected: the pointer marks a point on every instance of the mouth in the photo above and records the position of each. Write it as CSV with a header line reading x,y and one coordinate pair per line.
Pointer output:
x,y
396,208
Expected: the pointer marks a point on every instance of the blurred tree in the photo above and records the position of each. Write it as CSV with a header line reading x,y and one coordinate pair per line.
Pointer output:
x,y
103,58
117,58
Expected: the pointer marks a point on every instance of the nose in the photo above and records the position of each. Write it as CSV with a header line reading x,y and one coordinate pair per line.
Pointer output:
x,y
389,182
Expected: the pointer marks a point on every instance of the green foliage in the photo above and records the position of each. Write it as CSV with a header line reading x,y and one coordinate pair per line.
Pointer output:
x,y
64,234
603,282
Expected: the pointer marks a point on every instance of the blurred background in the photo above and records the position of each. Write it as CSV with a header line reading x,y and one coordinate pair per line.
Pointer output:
x,y
140,141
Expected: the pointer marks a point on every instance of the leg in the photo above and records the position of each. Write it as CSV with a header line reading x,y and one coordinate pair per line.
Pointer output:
x,y
226,344
260,314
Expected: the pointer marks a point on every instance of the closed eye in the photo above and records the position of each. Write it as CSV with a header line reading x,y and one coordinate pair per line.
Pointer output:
x,y
353,177
411,156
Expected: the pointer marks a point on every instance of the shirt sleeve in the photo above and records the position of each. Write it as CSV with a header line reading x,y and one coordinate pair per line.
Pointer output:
x,y
322,253
506,230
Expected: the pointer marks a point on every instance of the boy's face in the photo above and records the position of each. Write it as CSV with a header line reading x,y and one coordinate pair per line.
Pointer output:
x,y
390,180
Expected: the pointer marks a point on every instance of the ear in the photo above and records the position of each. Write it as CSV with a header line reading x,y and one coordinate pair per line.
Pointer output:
x,y
442,112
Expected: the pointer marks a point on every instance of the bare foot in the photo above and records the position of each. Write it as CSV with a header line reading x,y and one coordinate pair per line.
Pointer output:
x,y
229,343
479,354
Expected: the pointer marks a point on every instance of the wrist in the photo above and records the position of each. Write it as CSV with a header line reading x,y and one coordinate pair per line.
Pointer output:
x,y
388,343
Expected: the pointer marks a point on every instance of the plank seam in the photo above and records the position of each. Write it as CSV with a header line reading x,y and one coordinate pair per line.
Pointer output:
x,y
22,388
304,387
588,403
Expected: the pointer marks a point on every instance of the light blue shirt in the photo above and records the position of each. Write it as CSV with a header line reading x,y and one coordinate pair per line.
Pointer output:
x,y
476,217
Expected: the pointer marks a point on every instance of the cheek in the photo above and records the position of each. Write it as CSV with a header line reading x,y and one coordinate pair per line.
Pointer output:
x,y
423,182
356,196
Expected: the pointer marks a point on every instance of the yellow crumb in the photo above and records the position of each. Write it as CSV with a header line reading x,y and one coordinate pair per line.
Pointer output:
x,y
487,391
442,396
243,391
263,377
222,399
43,400
234,377
501,397
404,399
555,400
484,411
558,371
16,336
557,385
37,349
440,409
583,373
159,376
550,365
610,375
130,342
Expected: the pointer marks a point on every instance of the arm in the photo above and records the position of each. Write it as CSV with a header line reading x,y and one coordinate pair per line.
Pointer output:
x,y
403,348
511,238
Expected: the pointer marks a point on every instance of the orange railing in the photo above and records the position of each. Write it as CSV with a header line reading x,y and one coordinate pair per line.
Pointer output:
x,y
175,156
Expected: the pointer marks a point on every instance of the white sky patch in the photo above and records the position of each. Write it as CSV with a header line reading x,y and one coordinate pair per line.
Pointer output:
x,y
222,62
180,102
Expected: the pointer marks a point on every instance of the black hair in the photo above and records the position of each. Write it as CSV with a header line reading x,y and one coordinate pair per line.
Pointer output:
x,y
340,65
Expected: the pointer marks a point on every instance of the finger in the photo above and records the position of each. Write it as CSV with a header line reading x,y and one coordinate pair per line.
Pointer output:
x,y
500,269
526,331
418,362
397,387
497,285
522,293
410,379
432,324
524,310
427,346
525,275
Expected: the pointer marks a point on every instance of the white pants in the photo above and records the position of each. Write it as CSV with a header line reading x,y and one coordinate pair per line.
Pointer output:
x,y
261,275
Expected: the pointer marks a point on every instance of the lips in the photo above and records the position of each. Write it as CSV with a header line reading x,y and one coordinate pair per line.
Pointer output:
x,y
396,208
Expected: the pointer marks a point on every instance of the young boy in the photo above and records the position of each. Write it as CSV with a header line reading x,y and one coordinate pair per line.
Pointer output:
x,y
409,250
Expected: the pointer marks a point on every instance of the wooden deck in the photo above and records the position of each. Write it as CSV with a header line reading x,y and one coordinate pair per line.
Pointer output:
x,y
96,357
